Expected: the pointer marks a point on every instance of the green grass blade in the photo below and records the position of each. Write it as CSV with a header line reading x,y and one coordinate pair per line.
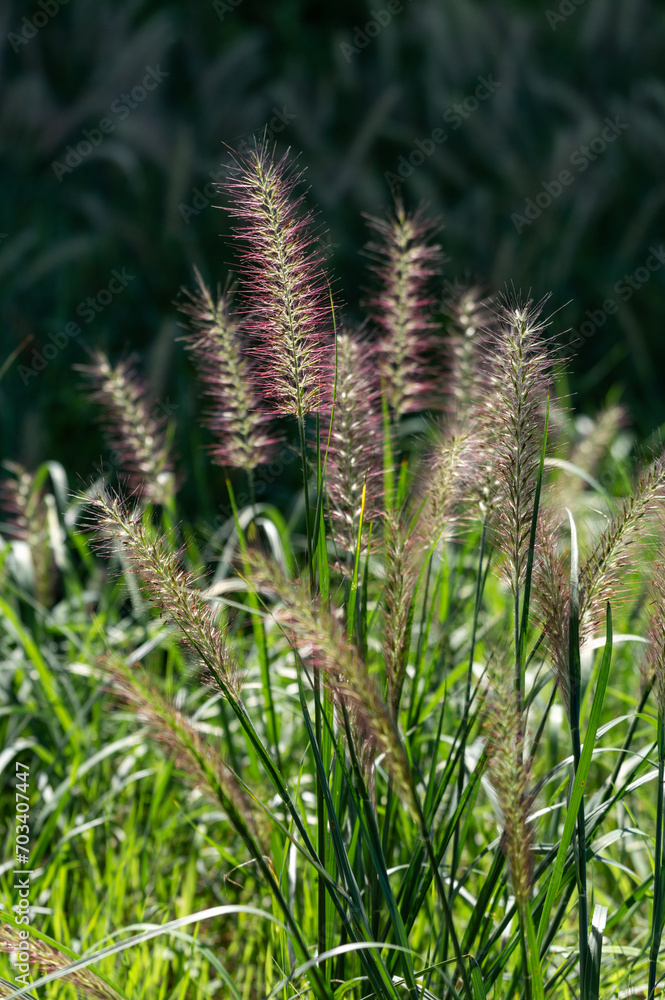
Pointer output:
x,y
580,780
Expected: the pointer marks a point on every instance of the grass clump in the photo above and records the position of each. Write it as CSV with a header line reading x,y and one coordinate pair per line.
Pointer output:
x,y
328,757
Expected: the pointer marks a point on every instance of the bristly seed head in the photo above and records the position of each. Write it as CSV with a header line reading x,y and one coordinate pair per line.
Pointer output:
x,y
167,585
319,637
286,293
235,416
510,427
509,773
354,457
404,261
135,433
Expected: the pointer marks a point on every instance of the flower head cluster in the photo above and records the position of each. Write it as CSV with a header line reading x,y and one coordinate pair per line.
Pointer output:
x,y
286,292
509,774
398,590
168,586
354,457
619,545
23,499
609,562
655,657
198,756
235,416
510,421
468,337
404,261
135,432
319,637
85,981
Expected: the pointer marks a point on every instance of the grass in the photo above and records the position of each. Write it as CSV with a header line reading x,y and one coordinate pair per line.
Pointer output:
x,y
421,756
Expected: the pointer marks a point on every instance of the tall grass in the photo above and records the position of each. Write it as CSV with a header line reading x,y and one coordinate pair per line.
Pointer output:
x,y
403,745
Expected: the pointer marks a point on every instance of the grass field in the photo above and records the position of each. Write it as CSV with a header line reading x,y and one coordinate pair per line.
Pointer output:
x,y
402,739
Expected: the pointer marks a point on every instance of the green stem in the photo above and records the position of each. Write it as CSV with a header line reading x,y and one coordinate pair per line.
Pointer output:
x,y
657,913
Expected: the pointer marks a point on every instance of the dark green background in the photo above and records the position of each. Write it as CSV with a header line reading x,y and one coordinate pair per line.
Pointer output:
x,y
356,114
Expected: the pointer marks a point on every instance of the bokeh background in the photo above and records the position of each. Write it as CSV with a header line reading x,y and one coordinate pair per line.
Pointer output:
x,y
357,89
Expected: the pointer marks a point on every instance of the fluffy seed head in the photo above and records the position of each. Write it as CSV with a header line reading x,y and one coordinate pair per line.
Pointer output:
x,y
466,342
551,587
510,778
319,638
404,260
448,482
23,498
655,657
286,293
235,416
167,585
354,456
620,544
510,423
398,541
135,433
196,754
85,981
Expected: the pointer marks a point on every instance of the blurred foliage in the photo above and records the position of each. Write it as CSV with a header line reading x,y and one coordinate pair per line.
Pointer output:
x,y
137,202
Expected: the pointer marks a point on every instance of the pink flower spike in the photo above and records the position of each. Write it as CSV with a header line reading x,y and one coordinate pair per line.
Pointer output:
x,y
404,261
286,292
235,416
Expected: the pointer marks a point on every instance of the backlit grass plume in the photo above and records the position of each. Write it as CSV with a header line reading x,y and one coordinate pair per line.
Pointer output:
x,y
511,425
404,260
401,568
509,772
23,501
234,416
620,544
552,600
602,576
467,338
354,457
86,982
167,585
448,476
318,637
656,665
136,434
194,753
286,294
